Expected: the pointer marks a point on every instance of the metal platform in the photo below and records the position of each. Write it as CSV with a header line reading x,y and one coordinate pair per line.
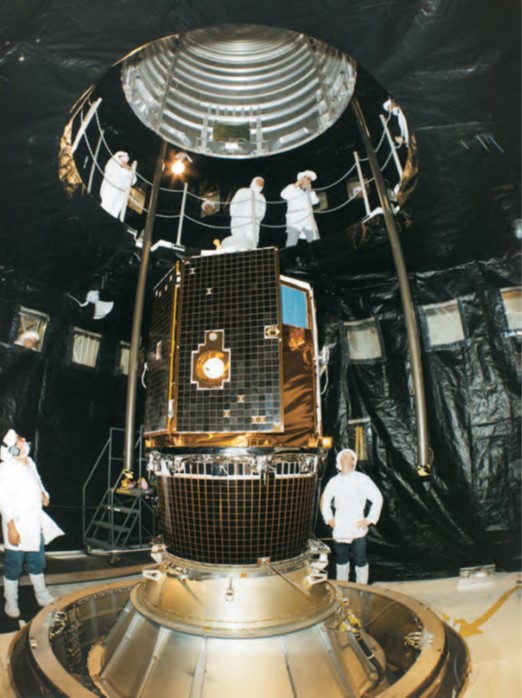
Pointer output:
x,y
340,640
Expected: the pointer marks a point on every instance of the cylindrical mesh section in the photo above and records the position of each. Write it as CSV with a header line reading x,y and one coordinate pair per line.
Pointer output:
x,y
230,519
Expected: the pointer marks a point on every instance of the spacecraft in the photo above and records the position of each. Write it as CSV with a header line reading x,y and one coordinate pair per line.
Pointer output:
x,y
237,601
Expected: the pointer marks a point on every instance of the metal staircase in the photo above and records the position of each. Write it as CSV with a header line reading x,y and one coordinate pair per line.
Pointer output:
x,y
124,519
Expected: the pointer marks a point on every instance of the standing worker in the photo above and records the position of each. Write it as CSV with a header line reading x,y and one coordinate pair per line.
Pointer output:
x,y
349,492
247,210
26,527
393,108
300,197
118,179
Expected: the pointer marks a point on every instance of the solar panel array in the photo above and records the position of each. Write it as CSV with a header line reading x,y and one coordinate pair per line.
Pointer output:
x,y
235,520
158,357
237,296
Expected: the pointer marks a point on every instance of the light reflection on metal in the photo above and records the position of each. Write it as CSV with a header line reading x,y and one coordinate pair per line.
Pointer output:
x,y
423,461
67,170
211,362
132,380
338,640
238,91
270,368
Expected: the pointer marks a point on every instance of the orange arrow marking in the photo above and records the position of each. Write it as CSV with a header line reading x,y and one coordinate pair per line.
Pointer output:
x,y
467,629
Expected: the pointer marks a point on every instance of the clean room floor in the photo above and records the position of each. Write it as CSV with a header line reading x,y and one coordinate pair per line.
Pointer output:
x,y
487,612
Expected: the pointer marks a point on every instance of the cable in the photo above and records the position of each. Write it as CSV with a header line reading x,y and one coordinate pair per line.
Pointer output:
x,y
329,186
207,225
226,203
145,369
393,603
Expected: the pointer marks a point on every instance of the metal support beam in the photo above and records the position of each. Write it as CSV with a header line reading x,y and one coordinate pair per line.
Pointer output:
x,y
423,465
94,161
85,123
132,383
182,213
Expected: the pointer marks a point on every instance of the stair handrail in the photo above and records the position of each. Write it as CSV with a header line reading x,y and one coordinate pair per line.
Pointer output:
x,y
138,446
106,456
87,481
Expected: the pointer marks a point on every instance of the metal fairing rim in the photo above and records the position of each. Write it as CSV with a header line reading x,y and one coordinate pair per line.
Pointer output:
x,y
424,677
238,91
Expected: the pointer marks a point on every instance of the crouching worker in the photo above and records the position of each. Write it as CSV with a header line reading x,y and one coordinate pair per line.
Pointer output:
x,y
26,527
348,492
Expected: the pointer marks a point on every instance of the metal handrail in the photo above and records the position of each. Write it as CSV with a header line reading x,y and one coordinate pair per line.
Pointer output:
x,y
87,481
107,455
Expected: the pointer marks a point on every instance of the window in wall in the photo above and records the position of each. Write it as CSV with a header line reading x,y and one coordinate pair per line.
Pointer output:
x,y
323,201
210,203
443,324
364,341
512,302
85,347
30,328
354,188
123,364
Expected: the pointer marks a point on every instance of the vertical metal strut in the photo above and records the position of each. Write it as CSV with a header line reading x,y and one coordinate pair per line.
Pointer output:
x,y
423,465
130,408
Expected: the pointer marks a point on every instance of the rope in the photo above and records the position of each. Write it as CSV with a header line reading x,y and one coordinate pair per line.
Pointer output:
x,y
99,168
143,179
338,208
329,186
207,225
225,203
168,215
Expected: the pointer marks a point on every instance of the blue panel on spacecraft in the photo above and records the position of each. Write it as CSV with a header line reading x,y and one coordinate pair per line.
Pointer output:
x,y
294,307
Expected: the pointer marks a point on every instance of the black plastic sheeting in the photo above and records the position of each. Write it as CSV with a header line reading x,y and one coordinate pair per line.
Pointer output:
x,y
468,513
454,68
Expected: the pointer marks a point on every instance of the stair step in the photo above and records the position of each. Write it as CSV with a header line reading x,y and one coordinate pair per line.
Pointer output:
x,y
120,510
110,527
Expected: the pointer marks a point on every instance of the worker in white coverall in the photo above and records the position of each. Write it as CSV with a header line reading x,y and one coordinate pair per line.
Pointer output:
x,y
118,178
247,210
26,527
300,197
393,108
349,492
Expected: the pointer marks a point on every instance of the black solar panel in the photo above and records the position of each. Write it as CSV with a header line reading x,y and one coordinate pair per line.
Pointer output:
x,y
158,358
214,515
229,312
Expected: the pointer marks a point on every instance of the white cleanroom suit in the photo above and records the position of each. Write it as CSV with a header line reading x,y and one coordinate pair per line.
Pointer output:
x,y
21,500
118,178
349,492
247,210
393,108
26,527
300,221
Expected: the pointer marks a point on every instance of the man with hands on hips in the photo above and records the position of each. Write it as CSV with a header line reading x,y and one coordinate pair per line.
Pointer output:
x,y
348,492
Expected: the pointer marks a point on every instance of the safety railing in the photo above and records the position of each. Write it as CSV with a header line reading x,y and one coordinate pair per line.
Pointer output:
x,y
101,505
392,152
